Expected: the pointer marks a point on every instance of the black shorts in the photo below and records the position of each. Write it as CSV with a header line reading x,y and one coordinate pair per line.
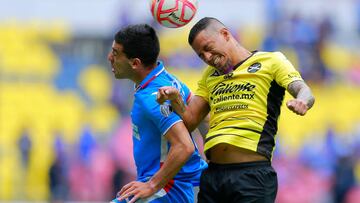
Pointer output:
x,y
252,182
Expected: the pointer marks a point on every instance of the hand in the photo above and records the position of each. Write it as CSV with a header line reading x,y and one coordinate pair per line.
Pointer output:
x,y
167,93
297,106
136,190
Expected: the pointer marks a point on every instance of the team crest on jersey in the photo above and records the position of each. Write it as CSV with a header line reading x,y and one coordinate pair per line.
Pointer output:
x,y
254,67
165,109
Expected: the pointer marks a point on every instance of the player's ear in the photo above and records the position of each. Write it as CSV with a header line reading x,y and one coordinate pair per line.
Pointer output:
x,y
135,62
225,33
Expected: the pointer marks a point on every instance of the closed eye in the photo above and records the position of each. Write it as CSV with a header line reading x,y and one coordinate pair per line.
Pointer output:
x,y
115,52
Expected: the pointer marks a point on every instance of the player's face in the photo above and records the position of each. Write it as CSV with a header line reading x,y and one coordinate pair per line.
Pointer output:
x,y
120,64
211,48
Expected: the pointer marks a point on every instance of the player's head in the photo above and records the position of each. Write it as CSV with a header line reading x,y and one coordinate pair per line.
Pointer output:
x,y
213,42
135,47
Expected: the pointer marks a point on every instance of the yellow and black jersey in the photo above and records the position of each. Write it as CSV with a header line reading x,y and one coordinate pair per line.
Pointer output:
x,y
245,104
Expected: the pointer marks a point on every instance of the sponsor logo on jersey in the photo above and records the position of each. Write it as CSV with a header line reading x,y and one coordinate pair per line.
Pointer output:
x,y
216,73
254,67
136,133
225,88
294,75
231,108
228,76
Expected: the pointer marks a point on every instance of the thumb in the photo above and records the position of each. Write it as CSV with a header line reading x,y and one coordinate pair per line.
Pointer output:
x,y
290,104
159,99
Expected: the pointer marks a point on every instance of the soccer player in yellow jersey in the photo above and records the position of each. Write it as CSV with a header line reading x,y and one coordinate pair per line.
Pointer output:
x,y
243,92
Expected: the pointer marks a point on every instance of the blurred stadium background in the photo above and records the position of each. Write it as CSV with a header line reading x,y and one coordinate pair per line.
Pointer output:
x,y
65,132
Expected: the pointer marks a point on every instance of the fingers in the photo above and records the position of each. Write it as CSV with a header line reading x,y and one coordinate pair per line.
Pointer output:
x,y
126,191
124,188
161,96
135,190
131,192
297,106
166,93
136,197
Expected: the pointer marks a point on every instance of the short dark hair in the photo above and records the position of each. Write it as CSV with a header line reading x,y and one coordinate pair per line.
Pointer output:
x,y
139,41
201,25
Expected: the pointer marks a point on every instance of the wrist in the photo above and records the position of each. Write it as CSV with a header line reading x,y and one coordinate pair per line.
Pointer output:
x,y
154,185
178,104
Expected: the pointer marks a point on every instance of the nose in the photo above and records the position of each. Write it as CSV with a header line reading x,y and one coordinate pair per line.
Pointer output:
x,y
110,57
207,56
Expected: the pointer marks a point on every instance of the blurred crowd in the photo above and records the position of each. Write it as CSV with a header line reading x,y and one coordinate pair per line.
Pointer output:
x,y
65,127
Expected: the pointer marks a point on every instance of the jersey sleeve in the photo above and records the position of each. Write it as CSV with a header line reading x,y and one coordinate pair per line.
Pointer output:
x,y
202,90
186,93
284,71
161,115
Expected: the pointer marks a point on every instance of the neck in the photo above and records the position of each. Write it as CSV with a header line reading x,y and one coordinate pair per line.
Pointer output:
x,y
237,56
141,74
240,54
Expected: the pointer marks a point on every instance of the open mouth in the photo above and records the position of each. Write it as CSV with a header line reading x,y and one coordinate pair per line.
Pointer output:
x,y
217,61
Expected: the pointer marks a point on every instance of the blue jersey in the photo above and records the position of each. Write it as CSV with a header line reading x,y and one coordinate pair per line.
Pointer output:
x,y
151,122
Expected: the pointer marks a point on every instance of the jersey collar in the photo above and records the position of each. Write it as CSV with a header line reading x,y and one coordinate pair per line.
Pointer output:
x,y
243,61
151,76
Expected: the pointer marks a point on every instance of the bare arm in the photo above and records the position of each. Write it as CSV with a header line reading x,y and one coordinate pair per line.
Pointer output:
x,y
181,148
203,126
303,97
180,151
192,114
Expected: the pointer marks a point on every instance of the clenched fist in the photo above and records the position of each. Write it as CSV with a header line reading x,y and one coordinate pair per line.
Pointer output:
x,y
297,106
167,93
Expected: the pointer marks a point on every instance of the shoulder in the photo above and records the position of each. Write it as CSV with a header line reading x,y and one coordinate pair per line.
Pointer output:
x,y
279,55
273,60
273,55
209,71
164,79
146,98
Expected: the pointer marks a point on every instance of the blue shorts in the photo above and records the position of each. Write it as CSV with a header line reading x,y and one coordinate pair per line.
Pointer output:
x,y
174,192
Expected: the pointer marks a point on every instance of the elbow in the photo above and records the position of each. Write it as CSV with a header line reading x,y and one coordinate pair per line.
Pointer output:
x,y
313,99
189,150
189,125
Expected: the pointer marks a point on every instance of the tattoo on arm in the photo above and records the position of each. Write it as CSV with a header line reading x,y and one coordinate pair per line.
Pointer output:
x,y
295,87
299,90
179,105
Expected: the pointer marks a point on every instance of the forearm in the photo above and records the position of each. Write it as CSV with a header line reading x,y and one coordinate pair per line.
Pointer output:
x,y
185,113
301,91
192,113
306,95
177,157
204,127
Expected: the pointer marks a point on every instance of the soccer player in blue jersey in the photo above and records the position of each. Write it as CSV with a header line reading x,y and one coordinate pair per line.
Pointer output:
x,y
167,159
